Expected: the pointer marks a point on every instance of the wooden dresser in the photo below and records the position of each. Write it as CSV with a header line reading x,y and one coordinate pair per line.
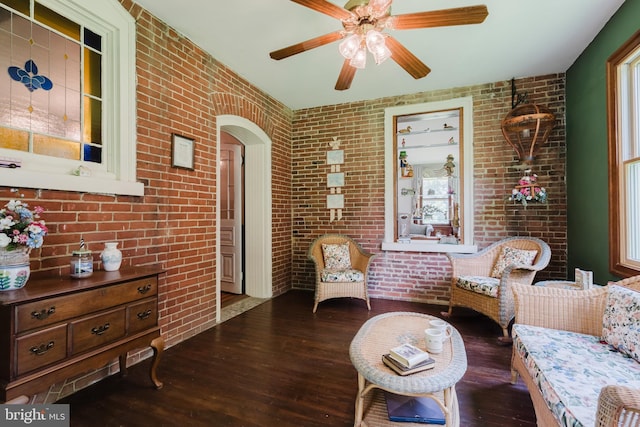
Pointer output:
x,y
57,328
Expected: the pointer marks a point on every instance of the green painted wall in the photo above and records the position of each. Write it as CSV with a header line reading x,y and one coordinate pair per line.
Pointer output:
x,y
587,169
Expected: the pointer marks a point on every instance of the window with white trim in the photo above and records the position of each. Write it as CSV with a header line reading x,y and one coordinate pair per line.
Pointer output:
x,y
67,87
623,74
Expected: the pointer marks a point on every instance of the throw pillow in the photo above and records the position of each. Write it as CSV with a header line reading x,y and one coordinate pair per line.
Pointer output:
x,y
336,257
621,323
509,256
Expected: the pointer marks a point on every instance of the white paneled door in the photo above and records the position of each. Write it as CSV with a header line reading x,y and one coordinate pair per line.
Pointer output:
x,y
231,218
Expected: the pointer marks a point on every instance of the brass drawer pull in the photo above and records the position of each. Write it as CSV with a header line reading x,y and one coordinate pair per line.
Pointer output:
x,y
144,314
144,289
42,349
43,314
99,330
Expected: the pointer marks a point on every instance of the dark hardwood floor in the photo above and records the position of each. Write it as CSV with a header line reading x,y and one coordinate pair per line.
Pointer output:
x,y
280,365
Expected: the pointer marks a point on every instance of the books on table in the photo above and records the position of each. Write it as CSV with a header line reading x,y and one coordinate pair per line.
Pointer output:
x,y
413,409
400,369
408,355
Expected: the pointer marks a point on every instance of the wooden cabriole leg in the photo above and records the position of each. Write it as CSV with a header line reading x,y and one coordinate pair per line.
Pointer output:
x,y
158,348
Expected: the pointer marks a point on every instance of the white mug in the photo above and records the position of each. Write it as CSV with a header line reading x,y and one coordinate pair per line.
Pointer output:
x,y
433,339
442,326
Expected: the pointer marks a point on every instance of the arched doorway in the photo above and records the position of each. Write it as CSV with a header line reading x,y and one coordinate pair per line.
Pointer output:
x,y
258,272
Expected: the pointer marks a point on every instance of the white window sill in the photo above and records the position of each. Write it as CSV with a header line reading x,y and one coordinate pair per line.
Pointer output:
x,y
21,178
420,246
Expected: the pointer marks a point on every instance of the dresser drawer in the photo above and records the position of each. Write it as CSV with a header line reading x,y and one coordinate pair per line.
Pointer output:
x,y
142,315
94,331
46,312
41,348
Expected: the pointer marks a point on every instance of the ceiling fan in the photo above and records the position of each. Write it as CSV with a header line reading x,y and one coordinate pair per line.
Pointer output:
x,y
363,23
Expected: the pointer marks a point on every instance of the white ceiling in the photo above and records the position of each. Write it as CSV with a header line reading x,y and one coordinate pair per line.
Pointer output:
x,y
518,39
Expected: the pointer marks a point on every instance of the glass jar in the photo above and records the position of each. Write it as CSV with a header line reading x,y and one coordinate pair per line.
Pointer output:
x,y
81,264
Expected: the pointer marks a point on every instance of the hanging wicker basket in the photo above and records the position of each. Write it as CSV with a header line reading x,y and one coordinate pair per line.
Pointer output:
x,y
526,128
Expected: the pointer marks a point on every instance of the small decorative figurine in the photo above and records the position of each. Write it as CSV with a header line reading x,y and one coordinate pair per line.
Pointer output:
x,y
449,166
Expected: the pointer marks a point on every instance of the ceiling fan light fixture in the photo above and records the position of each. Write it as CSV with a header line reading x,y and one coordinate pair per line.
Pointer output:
x,y
375,40
349,46
381,54
359,60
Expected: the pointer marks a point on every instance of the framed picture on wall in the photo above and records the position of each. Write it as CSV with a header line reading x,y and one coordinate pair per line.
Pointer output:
x,y
335,179
335,201
335,157
182,152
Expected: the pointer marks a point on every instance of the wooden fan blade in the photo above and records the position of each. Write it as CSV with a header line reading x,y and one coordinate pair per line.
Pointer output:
x,y
406,59
346,76
441,18
306,45
323,6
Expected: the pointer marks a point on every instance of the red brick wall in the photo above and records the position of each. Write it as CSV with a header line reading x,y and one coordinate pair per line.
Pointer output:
x,y
360,127
180,89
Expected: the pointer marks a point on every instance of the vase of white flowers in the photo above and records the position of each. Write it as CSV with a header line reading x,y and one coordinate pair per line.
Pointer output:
x,y
20,231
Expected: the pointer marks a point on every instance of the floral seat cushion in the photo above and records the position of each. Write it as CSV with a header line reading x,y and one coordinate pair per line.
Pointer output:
x,y
570,370
480,284
348,275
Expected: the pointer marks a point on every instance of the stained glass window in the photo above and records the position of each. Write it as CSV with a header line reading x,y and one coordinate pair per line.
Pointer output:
x,y
68,96
51,91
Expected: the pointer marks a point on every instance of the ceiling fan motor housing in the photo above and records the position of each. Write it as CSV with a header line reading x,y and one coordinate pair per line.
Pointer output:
x,y
352,4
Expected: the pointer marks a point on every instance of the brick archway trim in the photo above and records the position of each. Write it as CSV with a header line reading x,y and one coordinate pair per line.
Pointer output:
x,y
236,105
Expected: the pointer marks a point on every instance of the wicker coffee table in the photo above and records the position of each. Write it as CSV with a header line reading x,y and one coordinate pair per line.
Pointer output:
x,y
375,338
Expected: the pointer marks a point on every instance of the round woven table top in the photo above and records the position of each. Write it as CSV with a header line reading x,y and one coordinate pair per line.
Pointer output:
x,y
385,331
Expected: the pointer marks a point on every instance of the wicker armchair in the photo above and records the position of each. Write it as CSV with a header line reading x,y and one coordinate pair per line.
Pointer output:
x,y
335,285
497,304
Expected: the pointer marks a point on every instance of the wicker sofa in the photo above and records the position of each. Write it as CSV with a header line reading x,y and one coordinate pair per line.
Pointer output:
x,y
576,352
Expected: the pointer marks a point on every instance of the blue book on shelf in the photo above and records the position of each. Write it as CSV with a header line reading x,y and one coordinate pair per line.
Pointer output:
x,y
413,409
